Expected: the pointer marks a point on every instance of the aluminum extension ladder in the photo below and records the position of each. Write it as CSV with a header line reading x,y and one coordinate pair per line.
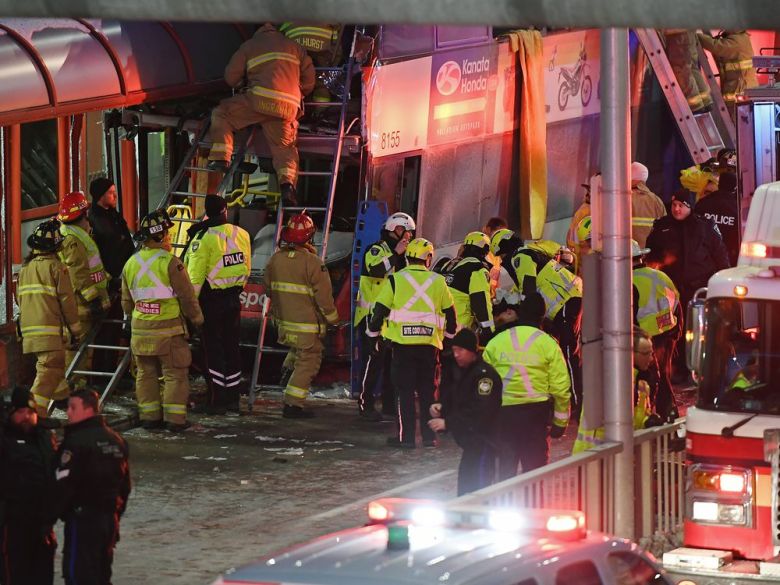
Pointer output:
x,y
702,133
284,211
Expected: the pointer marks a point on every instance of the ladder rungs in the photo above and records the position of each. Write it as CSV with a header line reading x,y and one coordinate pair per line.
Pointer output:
x,y
299,208
111,347
188,194
315,173
90,373
322,104
203,169
185,220
277,350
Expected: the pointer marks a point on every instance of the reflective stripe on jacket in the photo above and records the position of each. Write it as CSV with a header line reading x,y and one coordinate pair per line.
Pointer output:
x,y
80,254
646,207
315,38
658,300
221,256
377,265
557,285
417,299
469,283
733,53
146,275
532,369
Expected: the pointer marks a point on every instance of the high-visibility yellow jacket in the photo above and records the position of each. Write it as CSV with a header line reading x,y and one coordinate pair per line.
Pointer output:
x,y
733,53
589,438
221,256
315,38
416,308
47,305
532,369
469,283
301,292
658,300
80,254
157,291
557,285
646,207
379,261
278,72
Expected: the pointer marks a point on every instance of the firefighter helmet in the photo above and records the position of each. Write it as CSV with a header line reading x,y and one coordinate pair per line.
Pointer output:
x,y
154,225
46,237
500,240
582,233
636,250
478,240
419,248
72,207
400,219
299,229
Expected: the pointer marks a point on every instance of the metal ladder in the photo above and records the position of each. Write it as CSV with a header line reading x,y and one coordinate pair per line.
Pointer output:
x,y
700,132
88,344
283,211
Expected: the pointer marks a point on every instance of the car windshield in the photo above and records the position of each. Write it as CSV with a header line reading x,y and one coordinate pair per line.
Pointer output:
x,y
741,361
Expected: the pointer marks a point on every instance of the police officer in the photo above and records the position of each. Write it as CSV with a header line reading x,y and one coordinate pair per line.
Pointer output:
x,y
656,311
504,244
415,306
85,267
93,481
27,509
469,283
302,306
533,373
158,294
469,410
322,42
279,73
721,207
218,262
381,259
48,313
644,417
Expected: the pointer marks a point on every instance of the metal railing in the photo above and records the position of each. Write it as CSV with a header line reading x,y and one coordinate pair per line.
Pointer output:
x,y
586,482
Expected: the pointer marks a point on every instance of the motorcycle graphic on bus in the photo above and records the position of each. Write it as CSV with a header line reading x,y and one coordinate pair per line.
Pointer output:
x,y
575,81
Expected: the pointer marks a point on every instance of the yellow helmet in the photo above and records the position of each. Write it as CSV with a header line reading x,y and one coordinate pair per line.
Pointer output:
x,y
477,239
498,237
582,233
546,247
419,248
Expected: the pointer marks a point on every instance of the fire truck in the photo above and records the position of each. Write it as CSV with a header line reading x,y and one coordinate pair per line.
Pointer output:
x,y
732,496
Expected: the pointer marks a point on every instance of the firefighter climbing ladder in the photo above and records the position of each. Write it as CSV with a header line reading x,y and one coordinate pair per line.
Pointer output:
x,y
284,211
703,134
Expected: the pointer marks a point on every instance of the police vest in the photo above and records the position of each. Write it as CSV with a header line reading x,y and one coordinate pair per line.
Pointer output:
x,y
377,254
314,38
557,285
96,272
146,275
658,299
468,277
416,306
221,256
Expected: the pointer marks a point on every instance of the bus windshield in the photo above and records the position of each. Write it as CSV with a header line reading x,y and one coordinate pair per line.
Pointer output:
x,y
741,362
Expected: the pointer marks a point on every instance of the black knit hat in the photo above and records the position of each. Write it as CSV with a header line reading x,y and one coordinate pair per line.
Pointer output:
x,y
99,186
21,398
466,339
685,197
215,205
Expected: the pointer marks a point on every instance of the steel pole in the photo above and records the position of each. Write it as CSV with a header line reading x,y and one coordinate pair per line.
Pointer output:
x,y
616,268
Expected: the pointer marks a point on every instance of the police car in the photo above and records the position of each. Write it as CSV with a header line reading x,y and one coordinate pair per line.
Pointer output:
x,y
414,542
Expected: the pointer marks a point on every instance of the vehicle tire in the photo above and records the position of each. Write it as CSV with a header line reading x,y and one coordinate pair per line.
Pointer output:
x,y
586,91
563,96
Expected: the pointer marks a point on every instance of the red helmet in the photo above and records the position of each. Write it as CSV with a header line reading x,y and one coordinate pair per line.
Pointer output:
x,y
299,229
72,206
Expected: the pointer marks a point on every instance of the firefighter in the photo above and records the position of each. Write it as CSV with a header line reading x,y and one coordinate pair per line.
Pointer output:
x,y
646,206
85,267
381,259
582,211
302,306
469,410
157,292
643,417
414,312
656,310
93,484
733,53
27,509
49,320
534,374
683,53
323,44
218,262
278,73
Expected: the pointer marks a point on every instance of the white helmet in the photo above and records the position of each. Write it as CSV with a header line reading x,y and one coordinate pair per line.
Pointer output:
x,y
400,219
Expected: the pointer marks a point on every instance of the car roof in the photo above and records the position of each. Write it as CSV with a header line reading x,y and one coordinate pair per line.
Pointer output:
x,y
451,555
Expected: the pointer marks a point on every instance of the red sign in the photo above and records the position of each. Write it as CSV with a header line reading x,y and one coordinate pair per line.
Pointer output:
x,y
251,305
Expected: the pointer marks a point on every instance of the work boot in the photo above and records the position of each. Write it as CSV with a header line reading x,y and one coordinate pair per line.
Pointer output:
x,y
371,415
290,411
288,195
152,425
178,427
218,165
